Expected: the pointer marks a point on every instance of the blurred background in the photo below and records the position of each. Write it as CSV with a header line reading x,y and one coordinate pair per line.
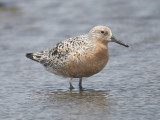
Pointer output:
x,y
128,88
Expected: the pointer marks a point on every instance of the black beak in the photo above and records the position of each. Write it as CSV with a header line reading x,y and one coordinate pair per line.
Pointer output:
x,y
113,39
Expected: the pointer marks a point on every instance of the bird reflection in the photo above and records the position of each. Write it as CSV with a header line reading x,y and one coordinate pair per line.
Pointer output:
x,y
84,99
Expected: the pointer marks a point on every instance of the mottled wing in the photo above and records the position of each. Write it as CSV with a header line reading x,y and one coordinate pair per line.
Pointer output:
x,y
59,55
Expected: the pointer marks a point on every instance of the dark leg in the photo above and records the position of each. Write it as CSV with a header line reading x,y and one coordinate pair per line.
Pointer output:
x,y
80,83
70,83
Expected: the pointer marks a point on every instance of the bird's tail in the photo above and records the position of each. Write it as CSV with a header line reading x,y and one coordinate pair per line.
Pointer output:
x,y
34,56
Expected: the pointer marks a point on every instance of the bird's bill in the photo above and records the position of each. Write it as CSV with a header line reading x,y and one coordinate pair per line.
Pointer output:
x,y
113,39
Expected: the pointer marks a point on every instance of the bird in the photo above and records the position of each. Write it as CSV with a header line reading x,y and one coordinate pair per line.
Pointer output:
x,y
78,57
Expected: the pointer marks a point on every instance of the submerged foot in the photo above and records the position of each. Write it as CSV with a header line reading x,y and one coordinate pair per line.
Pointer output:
x,y
80,83
71,87
80,86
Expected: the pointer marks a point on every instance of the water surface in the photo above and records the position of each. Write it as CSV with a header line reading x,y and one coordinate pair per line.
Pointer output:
x,y
128,88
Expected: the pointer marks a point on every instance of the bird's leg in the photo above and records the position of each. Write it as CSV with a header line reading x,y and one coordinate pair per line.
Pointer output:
x,y
70,83
80,83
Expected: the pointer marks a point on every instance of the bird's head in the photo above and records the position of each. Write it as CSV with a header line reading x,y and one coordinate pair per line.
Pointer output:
x,y
103,34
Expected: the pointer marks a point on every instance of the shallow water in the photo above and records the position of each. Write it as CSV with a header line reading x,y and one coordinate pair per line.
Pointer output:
x,y
127,88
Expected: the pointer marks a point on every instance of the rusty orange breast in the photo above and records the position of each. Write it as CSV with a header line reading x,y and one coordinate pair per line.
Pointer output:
x,y
89,64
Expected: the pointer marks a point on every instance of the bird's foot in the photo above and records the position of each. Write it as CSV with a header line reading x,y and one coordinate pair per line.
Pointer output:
x,y
71,87
80,87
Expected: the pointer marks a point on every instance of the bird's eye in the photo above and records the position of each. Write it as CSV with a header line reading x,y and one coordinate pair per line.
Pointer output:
x,y
102,32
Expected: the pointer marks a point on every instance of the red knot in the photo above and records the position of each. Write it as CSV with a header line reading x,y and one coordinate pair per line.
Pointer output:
x,y
78,57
